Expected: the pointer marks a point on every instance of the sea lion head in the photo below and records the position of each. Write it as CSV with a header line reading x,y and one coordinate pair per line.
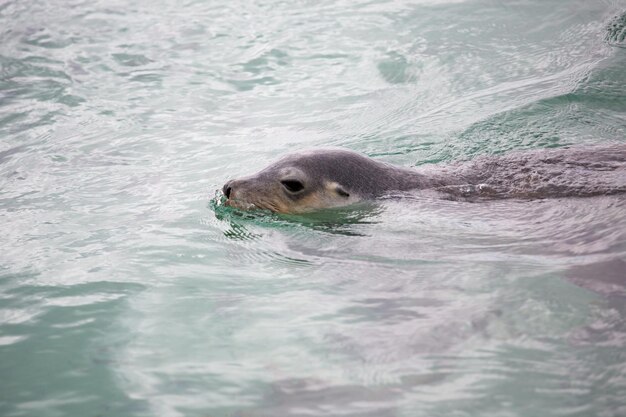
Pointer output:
x,y
303,182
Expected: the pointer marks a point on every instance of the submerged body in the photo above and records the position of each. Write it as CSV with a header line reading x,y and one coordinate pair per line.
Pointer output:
x,y
318,179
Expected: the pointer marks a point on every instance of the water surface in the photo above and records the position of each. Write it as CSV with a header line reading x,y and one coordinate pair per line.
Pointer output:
x,y
126,289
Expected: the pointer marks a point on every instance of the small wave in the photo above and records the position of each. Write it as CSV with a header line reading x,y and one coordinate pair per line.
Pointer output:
x,y
616,31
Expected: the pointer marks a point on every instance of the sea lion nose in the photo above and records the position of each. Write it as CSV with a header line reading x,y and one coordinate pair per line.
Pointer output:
x,y
227,189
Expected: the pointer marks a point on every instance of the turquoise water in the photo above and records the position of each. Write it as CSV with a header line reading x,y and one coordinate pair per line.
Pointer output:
x,y
126,289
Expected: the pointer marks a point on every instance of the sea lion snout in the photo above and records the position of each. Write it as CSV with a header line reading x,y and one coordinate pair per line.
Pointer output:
x,y
245,192
234,189
251,192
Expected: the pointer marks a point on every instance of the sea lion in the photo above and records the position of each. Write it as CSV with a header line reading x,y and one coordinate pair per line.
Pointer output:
x,y
317,179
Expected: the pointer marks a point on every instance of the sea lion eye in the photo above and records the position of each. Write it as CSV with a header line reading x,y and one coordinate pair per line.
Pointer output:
x,y
292,186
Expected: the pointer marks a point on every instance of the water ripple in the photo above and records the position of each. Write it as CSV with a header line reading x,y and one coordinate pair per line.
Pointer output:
x,y
126,288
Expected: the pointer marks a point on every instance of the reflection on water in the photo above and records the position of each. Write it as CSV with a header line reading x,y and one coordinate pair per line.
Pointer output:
x,y
379,320
127,289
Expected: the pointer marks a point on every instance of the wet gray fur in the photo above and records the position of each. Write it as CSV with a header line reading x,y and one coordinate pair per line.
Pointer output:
x,y
542,173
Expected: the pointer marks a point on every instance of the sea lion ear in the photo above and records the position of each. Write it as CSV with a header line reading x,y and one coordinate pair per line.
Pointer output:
x,y
338,188
341,191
